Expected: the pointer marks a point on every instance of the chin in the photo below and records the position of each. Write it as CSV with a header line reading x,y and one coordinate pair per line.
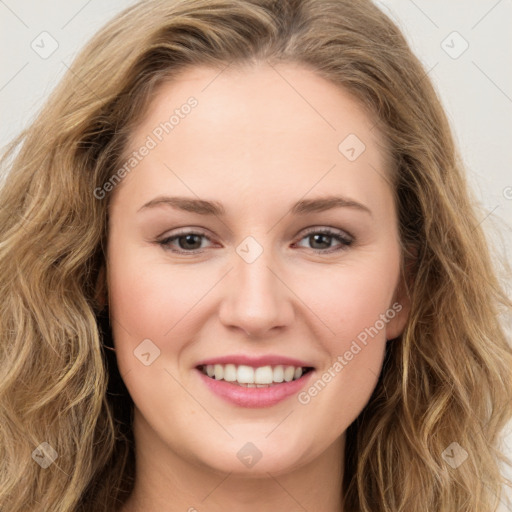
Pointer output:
x,y
253,459
260,469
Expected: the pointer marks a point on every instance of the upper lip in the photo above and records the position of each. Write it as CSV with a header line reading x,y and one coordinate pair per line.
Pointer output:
x,y
255,362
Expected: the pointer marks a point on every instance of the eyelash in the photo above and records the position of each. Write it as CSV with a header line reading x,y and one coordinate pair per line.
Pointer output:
x,y
345,241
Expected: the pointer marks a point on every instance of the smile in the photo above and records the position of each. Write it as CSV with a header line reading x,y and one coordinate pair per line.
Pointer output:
x,y
247,376
267,386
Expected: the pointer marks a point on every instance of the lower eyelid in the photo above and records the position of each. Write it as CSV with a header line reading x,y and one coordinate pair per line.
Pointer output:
x,y
165,242
344,241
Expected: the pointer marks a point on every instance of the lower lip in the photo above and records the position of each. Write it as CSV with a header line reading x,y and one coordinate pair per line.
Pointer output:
x,y
255,397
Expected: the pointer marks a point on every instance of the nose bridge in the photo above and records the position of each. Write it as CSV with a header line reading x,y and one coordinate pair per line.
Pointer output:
x,y
257,300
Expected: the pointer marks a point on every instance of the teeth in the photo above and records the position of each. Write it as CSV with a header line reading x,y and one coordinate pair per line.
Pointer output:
x,y
264,375
218,371
289,372
253,377
278,374
229,373
245,375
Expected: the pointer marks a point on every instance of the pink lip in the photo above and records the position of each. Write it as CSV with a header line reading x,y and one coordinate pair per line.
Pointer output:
x,y
255,397
255,362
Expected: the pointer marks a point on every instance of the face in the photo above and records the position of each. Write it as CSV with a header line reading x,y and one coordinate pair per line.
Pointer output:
x,y
252,268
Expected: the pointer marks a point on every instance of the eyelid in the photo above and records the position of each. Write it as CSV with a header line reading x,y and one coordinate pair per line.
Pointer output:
x,y
327,229
342,236
182,232
345,239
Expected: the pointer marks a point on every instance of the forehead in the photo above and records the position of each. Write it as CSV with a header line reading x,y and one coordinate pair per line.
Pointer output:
x,y
261,98
258,125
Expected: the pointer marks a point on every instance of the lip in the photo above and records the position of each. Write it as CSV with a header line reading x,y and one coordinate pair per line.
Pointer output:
x,y
254,397
255,362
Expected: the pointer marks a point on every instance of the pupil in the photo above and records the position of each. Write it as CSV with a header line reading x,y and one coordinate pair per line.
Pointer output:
x,y
189,239
318,238
320,235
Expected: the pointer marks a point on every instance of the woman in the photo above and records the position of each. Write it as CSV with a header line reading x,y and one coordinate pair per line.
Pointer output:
x,y
258,370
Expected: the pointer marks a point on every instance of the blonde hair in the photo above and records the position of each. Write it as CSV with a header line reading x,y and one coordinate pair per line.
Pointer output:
x,y
446,379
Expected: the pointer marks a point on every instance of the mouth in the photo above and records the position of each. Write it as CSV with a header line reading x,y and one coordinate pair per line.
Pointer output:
x,y
254,377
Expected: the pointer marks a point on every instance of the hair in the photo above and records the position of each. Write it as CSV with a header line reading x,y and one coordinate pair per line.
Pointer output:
x,y
446,379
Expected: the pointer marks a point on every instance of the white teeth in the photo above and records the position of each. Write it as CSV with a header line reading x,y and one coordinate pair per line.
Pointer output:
x,y
230,373
278,374
245,374
218,371
263,375
289,372
253,377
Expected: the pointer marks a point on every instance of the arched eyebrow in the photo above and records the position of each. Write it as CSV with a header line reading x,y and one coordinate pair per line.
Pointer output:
x,y
302,207
188,204
321,204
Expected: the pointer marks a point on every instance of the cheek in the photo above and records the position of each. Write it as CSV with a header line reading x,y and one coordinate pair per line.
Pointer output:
x,y
149,298
351,300
351,306
150,302
354,306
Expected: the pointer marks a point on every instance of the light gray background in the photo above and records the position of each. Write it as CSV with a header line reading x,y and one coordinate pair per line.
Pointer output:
x,y
475,86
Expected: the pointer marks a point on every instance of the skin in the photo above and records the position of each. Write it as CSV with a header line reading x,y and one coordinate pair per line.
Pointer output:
x,y
257,145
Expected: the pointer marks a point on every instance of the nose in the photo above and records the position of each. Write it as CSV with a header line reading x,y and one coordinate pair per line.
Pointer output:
x,y
256,299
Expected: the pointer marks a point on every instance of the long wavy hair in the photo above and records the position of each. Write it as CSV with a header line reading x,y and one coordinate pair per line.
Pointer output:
x,y
446,379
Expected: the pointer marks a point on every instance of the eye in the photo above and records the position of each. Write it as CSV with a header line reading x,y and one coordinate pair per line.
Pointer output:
x,y
188,242
323,238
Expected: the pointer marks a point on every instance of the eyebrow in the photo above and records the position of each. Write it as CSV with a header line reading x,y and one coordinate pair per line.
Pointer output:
x,y
302,207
